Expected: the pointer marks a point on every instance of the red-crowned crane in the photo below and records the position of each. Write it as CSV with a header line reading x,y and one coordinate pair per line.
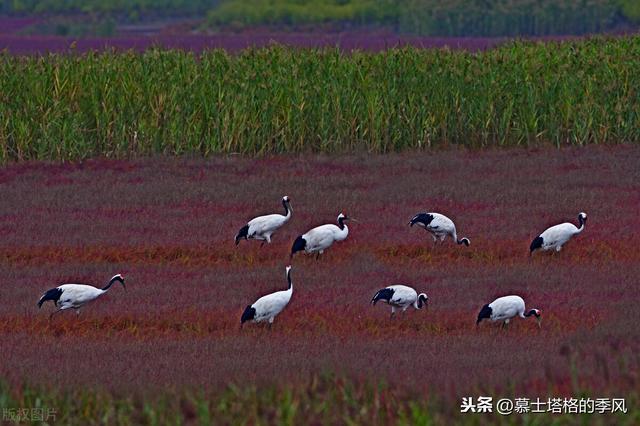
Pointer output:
x,y
67,296
439,225
505,308
262,227
400,297
555,237
267,307
320,238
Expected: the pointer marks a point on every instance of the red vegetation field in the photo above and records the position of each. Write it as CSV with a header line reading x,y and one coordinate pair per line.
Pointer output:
x,y
15,42
349,40
168,226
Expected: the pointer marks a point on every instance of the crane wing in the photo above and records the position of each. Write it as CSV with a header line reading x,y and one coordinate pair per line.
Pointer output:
x,y
271,304
78,293
320,237
263,224
558,234
441,223
403,295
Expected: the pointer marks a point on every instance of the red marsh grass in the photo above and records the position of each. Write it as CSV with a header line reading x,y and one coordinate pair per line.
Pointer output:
x,y
168,224
235,42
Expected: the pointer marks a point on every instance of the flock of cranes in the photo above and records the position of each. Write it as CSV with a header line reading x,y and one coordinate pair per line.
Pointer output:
x,y
317,240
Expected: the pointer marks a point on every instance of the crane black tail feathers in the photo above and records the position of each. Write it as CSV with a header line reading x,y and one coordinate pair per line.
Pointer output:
x,y
248,314
423,218
485,312
53,294
384,294
242,233
298,245
535,244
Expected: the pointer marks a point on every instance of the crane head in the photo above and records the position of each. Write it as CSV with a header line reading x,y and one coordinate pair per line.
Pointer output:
x,y
343,217
119,278
536,313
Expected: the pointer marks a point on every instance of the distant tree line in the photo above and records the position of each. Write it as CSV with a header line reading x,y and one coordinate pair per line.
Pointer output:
x,y
241,13
129,9
438,17
509,17
425,17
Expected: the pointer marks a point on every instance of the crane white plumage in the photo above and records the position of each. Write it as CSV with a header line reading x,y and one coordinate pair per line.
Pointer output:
x,y
555,237
439,225
507,307
320,238
267,307
262,227
67,296
400,297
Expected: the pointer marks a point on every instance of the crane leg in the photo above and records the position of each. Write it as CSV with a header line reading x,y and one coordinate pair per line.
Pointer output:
x,y
317,256
55,312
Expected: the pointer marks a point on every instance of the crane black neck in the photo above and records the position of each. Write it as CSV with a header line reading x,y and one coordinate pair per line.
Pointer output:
x,y
286,207
422,300
289,279
532,312
113,280
341,223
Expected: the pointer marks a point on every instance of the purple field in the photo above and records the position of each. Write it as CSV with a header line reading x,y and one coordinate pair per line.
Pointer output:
x,y
168,224
372,40
26,45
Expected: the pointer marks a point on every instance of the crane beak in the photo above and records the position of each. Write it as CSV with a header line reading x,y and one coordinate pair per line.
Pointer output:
x,y
354,220
539,321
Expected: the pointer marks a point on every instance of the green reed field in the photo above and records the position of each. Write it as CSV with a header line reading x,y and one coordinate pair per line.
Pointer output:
x,y
279,100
